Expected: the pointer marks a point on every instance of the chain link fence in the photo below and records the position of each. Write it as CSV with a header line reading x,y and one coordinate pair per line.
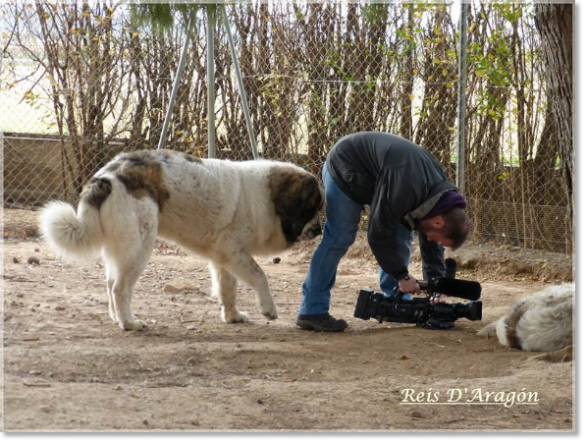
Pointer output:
x,y
83,81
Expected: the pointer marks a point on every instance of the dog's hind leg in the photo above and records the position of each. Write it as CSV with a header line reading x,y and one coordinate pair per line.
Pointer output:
x,y
126,254
242,265
224,288
560,356
109,286
215,274
123,272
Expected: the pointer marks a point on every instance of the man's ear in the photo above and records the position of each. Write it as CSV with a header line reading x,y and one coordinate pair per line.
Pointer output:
x,y
437,221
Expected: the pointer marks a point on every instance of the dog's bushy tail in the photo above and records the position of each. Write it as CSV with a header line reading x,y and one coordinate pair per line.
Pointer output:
x,y
76,235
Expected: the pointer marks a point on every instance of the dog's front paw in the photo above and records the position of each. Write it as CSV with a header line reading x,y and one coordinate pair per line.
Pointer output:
x,y
133,325
270,312
234,317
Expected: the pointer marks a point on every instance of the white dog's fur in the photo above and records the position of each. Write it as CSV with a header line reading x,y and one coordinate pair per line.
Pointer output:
x,y
539,322
222,210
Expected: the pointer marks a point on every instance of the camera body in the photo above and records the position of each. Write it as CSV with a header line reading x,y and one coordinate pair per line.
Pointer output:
x,y
426,311
419,310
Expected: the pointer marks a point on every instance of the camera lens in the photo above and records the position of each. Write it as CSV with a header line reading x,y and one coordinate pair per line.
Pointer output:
x,y
471,311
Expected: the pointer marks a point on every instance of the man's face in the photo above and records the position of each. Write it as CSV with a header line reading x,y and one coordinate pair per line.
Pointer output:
x,y
437,236
433,229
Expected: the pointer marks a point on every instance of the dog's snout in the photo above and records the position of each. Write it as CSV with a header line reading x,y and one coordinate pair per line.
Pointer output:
x,y
311,230
314,231
317,230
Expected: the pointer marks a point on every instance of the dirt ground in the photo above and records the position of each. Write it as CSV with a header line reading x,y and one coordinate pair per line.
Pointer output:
x,y
67,367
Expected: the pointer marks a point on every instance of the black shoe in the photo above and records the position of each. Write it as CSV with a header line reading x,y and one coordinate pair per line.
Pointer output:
x,y
321,323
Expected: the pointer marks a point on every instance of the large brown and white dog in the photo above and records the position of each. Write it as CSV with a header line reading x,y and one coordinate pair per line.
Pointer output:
x,y
539,322
222,210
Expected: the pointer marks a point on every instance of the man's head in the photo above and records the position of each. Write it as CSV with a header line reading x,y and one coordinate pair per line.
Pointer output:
x,y
449,229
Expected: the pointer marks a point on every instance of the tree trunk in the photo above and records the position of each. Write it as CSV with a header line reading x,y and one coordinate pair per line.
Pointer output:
x,y
554,23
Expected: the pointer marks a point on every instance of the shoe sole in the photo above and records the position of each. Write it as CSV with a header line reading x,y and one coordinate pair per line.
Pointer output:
x,y
311,327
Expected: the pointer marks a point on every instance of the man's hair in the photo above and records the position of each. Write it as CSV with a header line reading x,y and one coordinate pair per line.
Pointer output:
x,y
457,226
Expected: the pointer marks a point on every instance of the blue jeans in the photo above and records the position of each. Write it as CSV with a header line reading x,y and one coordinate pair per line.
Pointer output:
x,y
342,220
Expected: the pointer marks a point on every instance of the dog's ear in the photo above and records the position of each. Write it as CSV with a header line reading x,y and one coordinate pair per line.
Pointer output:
x,y
300,198
308,195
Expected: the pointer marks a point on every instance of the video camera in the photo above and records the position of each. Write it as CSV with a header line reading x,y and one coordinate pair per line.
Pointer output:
x,y
425,311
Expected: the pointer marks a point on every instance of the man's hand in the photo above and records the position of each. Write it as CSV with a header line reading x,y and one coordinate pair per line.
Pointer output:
x,y
440,298
409,285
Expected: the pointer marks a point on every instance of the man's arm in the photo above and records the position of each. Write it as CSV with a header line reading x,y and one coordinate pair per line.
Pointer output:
x,y
389,239
391,245
432,258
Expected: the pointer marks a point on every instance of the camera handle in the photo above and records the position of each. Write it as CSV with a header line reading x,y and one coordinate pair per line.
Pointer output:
x,y
425,290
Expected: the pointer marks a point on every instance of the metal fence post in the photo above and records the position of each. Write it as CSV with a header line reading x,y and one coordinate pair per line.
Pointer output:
x,y
461,164
211,15
176,83
241,89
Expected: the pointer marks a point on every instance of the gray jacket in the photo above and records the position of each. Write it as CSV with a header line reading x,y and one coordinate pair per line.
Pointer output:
x,y
401,182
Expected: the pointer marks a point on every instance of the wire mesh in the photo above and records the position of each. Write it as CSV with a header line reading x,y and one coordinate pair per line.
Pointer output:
x,y
83,81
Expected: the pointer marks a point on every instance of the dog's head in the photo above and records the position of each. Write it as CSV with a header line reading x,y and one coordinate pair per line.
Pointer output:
x,y
298,198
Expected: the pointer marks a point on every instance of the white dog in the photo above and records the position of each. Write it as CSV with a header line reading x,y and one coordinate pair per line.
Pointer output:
x,y
222,210
539,322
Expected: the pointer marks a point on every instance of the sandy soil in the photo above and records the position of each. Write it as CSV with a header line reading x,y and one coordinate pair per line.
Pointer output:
x,y
67,367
